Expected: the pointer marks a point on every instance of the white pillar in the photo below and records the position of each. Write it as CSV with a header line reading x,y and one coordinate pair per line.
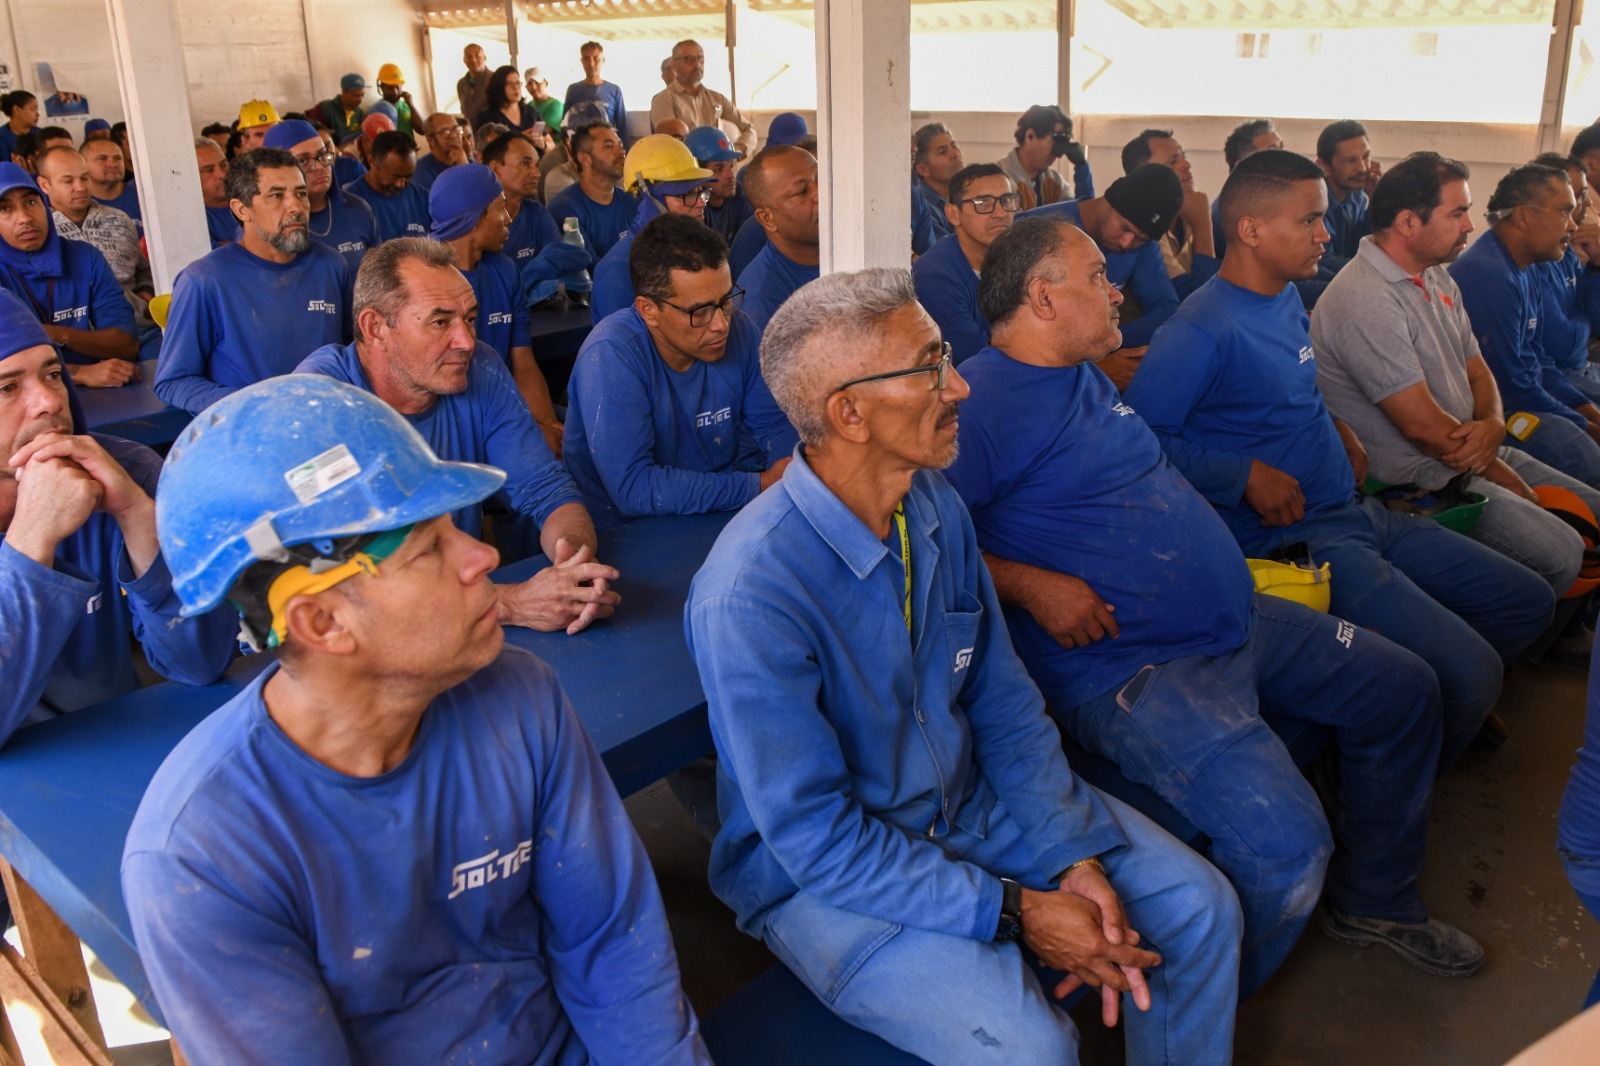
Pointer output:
x,y
155,95
864,132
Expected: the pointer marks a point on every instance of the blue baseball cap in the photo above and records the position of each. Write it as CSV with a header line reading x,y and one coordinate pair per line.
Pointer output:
x,y
352,81
286,135
96,125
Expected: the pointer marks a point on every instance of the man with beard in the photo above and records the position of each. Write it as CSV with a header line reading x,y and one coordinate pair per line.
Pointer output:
x,y
79,567
728,208
400,206
982,204
604,212
338,220
446,148
254,309
66,284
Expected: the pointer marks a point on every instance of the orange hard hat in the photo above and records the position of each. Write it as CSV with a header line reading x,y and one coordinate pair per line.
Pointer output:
x,y
1570,508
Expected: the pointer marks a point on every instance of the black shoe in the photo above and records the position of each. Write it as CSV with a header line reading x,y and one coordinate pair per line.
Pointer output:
x,y
1434,946
1493,732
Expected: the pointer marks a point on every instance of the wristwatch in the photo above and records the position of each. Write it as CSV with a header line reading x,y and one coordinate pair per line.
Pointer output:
x,y
1009,927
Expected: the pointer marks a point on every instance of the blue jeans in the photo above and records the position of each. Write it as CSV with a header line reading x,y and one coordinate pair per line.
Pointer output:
x,y
1587,379
1191,731
1526,532
1563,445
1463,607
1593,903
952,999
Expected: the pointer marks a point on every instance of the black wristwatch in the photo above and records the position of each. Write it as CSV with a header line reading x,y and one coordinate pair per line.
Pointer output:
x,y
1009,927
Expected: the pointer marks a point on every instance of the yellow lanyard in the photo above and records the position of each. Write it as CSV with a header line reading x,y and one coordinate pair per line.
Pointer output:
x,y
905,557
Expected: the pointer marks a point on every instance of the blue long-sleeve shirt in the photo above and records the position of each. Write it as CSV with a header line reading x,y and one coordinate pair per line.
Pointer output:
x,y
237,319
429,167
728,216
486,901
127,201
221,226
603,225
1500,301
1347,222
1140,272
947,288
613,284
403,214
347,225
1060,474
608,95
64,628
924,228
1231,378
644,439
84,295
746,245
848,751
502,313
1564,327
942,226
770,279
487,422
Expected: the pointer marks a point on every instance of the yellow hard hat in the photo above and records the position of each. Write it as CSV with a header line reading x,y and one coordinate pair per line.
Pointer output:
x,y
159,308
1307,586
258,113
659,158
390,74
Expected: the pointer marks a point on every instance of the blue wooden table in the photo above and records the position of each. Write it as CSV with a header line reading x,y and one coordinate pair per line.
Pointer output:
x,y
69,787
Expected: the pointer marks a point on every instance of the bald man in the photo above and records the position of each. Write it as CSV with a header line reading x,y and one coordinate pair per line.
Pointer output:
x,y
781,182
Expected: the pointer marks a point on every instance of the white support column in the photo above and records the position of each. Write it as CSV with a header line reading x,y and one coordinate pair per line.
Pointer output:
x,y
1066,15
864,132
155,95
1552,112
511,35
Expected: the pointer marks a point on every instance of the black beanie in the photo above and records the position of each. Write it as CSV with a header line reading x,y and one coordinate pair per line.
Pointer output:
x,y
1148,198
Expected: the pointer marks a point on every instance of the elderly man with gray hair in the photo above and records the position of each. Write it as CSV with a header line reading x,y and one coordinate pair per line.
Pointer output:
x,y
900,825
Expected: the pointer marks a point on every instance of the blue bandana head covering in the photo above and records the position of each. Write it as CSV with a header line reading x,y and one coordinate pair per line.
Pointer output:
x,y
44,263
286,135
458,199
19,331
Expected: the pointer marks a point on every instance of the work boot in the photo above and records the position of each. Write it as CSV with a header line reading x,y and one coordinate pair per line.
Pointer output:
x,y
1434,946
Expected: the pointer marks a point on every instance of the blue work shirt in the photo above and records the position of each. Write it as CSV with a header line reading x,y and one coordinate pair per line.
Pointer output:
x,y
222,226
1578,825
77,290
608,95
1231,378
237,319
613,284
347,168
127,201
1060,474
405,214
1562,289
747,243
347,225
850,752
947,288
1504,309
502,314
429,167
485,901
1141,273
1346,222
487,422
728,216
602,225
64,627
924,230
771,279
920,189
645,439
533,230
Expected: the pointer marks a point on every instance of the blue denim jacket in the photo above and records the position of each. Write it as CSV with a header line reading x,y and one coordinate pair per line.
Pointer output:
x,y
851,754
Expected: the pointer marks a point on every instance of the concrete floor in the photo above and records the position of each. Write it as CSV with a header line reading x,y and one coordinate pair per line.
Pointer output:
x,y
1492,870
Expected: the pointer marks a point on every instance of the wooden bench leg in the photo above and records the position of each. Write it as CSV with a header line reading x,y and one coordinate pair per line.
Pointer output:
x,y
53,952
10,1054
65,1040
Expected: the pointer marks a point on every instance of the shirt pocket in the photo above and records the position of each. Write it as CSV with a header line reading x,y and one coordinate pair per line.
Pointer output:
x,y
961,628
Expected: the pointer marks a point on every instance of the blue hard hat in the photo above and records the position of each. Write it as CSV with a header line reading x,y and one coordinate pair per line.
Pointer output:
x,y
295,460
384,107
787,128
710,145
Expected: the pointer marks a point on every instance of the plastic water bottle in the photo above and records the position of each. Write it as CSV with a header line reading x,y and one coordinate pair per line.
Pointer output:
x,y
571,234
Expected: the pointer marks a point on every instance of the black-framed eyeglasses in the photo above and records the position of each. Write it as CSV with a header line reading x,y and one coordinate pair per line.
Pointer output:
x,y
941,369
985,205
700,317
324,159
702,194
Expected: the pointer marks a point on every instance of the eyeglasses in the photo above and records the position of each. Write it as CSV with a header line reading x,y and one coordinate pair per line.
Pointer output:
x,y
985,205
703,195
323,159
941,368
449,133
700,317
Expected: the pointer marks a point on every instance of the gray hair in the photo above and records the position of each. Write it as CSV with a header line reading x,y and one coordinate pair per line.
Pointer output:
x,y
818,329
207,142
379,284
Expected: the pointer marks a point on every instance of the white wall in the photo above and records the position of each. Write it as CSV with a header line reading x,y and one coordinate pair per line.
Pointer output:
x,y
234,52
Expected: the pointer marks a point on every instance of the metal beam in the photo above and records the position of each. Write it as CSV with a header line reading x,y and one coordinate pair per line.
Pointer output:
x,y
1552,111
1066,13
511,34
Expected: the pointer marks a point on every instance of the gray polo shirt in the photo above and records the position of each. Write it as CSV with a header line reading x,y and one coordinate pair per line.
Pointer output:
x,y
1377,331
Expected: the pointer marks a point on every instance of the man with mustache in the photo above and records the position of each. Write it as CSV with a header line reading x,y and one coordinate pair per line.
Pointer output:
x,y
1230,387
1397,361
337,220
79,565
253,309
67,284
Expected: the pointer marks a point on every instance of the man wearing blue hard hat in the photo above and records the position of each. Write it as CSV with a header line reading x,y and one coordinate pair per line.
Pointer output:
x,y
728,208
416,349
337,220
400,831
469,217
254,308
79,564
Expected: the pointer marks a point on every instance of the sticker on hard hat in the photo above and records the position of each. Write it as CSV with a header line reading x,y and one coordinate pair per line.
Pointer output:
x,y
333,467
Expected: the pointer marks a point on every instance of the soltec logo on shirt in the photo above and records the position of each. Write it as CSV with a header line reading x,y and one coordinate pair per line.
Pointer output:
x,y
475,873
352,246
1121,409
322,305
418,228
1306,354
95,602
712,418
1346,633
68,314
963,660
499,318
1533,324
523,253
